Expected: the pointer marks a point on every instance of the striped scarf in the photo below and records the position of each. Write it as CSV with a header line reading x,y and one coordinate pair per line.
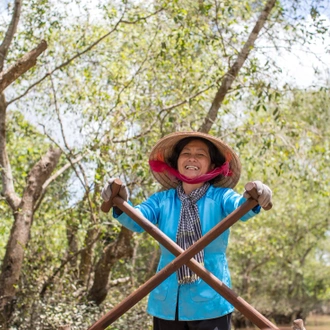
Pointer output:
x,y
189,230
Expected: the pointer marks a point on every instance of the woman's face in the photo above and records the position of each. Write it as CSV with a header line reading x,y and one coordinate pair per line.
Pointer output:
x,y
194,159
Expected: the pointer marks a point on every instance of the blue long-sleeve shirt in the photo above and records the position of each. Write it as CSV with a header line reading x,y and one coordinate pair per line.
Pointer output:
x,y
196,301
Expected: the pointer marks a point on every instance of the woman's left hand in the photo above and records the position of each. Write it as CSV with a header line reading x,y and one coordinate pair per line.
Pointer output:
x,y
264,193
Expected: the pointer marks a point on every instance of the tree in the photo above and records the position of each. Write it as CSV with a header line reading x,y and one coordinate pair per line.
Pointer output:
x,y
276,258
111,87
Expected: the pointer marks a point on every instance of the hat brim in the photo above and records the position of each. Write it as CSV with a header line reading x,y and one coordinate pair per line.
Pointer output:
x,y
164,148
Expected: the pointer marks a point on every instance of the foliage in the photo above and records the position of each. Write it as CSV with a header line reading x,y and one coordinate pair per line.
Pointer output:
x,y
276,257
125,73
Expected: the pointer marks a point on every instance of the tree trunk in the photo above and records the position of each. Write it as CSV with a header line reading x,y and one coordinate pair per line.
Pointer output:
x,y
20,232
234,69
87,256
111,254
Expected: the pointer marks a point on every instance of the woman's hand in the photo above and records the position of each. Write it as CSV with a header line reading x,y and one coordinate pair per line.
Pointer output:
x,y
264,193
107,191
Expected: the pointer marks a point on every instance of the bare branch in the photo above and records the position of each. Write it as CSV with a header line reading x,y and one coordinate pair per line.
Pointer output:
x,y
135,137
171,107
83,181
218,28
67,157
10,33
61,170
85,184
21,66
233,71
54,177
58,114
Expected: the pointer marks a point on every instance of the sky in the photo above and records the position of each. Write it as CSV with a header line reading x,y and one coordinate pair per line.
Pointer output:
x,y
299,64
3,5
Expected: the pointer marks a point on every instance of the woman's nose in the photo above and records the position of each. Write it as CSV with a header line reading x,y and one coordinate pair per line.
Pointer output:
x,y
192,158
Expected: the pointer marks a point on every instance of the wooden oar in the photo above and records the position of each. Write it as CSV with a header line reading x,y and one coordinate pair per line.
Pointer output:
x,y
185,257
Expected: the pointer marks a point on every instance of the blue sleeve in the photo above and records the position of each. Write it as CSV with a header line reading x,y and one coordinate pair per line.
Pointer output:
x,y
149,209
232,200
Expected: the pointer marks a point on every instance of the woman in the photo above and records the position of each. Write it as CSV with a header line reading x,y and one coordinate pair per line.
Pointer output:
x,y
198,172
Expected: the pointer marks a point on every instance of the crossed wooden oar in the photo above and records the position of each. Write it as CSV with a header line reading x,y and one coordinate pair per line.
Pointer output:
x,y
183,257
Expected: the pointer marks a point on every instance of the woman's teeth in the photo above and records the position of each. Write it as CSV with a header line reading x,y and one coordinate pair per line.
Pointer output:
x,y
192,167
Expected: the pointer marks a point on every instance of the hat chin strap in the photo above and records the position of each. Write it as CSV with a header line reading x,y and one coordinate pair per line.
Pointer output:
x,y
159,166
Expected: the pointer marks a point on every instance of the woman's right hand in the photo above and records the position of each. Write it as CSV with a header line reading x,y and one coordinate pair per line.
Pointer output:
x,y
107,191
264,194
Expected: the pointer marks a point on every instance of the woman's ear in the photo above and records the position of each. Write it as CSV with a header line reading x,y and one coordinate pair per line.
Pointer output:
x,y
212,166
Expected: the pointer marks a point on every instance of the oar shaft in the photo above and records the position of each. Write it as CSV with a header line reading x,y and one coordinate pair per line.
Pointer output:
x,y
184,257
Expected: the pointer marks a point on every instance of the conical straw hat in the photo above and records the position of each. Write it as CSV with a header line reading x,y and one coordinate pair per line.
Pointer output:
x,y
165,146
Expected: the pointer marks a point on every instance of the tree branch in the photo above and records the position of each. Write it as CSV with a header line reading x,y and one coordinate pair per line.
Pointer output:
x,y
71,59
21,66
10,33
67,156
83,181
233,71
54,177
144,18
83,52
57,110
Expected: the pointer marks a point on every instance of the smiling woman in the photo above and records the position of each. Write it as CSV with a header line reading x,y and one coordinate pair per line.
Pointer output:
x,y
198,172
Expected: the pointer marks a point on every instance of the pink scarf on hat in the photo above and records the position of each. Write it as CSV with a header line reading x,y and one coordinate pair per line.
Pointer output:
x,y
160,166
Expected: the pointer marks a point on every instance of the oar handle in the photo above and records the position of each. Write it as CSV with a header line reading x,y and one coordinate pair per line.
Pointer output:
x,y
115,188
251,188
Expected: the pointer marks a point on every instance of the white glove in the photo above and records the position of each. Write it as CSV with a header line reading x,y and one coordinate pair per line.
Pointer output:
x,y
264,193
106,191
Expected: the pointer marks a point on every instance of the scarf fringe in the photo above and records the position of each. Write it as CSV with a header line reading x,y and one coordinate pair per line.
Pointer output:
x,y
189,279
